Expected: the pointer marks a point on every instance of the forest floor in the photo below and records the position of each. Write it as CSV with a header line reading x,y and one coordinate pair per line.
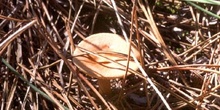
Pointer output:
x,y
178,42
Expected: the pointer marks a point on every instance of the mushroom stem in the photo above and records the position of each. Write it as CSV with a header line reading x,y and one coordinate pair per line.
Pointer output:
x,y
104,86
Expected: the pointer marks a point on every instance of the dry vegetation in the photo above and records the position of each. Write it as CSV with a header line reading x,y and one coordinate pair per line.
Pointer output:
x,y
179,45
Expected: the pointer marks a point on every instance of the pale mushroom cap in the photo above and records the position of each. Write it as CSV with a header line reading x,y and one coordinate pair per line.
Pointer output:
x,y
109,45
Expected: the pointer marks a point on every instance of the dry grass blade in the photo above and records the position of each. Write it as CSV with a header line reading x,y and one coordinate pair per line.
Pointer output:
x,y
96,92
10,38
9,18
156,33
11,94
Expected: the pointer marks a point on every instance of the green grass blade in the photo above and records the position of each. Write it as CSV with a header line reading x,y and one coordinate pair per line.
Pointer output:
x,y
212,2
202,9
26,81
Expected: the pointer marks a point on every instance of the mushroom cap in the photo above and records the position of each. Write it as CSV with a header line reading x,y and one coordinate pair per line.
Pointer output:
x,y
107,45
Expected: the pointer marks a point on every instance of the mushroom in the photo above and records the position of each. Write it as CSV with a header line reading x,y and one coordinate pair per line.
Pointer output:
x,y
104,56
